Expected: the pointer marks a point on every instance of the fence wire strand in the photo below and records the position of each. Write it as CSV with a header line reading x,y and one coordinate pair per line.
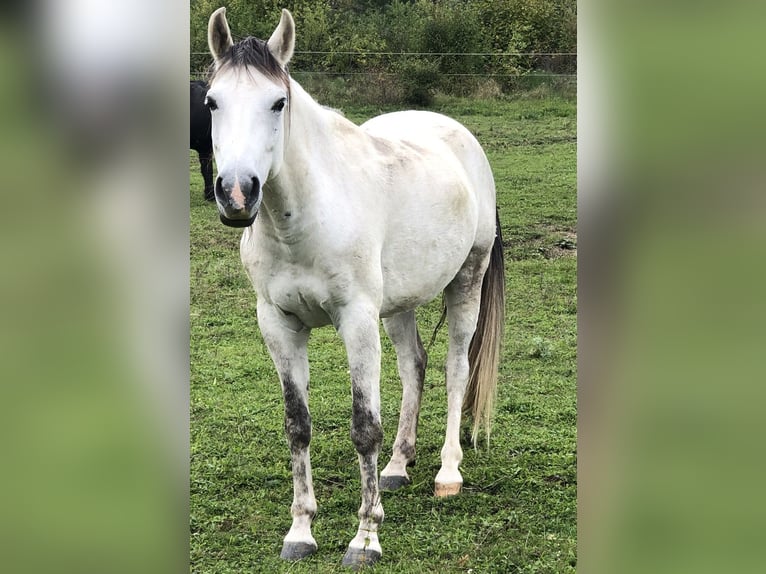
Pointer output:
x,y
361,53
198,68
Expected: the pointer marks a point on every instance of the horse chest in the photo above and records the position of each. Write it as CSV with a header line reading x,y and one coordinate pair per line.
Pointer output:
x,y
303,280
297,292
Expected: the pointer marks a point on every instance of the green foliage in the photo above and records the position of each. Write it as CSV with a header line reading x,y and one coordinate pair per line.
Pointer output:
x,y
356,40
419,78
402,25
454,27
317,26
348,36
531,26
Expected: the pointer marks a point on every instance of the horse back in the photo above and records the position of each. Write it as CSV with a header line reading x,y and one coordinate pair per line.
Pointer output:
x,y
441,144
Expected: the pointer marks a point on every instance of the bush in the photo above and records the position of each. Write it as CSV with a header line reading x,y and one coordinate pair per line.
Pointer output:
x,y
350,36
531,26
401,25
419,79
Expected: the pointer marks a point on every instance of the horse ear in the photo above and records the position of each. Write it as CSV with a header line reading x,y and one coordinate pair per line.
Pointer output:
x,y
218,34
282,41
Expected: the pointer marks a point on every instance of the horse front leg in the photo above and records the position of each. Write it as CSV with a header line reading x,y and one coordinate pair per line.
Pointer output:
x,y
288,349
358,327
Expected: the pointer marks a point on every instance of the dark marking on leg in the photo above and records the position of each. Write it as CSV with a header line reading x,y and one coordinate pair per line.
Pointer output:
x,y
371,483
297,418
408,450
421,361
366,430
302,489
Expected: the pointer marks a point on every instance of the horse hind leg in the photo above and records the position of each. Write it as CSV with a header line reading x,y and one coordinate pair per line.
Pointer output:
x,y
463,299
411,359
475,311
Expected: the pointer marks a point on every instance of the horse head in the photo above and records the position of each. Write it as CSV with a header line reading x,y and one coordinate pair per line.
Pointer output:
x,y
248,99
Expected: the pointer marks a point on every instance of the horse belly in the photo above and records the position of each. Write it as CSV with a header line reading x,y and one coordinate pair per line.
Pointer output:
x,y
418,268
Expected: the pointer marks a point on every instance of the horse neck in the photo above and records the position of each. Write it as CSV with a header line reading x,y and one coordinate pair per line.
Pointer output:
x,y
313,150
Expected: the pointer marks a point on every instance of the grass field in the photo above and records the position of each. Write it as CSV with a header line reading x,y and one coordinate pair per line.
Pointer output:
x,y
517,510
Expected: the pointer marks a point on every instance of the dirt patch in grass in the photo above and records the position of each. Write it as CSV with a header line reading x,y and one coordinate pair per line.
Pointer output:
x,y
545,241
565,246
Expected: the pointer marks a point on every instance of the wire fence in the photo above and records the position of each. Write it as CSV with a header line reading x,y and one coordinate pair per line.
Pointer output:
x,y
201,75
351,62
386,76
374,53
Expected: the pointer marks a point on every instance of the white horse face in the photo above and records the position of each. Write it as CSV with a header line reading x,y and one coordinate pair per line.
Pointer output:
x,y
248,100
248,130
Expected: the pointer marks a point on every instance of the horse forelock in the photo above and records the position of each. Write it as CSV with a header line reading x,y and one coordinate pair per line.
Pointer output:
x,y
251,53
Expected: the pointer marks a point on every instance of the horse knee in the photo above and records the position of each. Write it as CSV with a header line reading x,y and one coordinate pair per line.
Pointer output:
x,y
366,431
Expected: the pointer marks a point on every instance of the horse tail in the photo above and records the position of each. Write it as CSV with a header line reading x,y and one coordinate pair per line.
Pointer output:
x,y
484,350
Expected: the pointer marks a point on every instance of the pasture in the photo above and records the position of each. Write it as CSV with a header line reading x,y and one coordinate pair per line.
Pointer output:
x,y
517,509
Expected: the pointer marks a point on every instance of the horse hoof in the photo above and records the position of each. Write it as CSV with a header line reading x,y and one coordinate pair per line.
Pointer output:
x,y
357,558
451,489
393,482
296,550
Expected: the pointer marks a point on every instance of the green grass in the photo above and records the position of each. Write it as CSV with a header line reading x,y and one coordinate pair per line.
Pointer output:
x,y
517,510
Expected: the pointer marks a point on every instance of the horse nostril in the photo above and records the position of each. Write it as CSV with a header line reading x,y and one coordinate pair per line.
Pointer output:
x,y
255,192
219,188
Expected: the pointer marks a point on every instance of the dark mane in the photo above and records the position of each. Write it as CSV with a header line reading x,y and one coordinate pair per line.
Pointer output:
x,y
255,53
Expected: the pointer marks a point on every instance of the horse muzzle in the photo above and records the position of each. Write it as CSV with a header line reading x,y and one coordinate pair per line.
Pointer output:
x,y
238,199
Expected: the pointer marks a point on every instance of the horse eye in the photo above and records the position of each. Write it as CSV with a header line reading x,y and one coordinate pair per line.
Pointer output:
x,y
279,105
211,103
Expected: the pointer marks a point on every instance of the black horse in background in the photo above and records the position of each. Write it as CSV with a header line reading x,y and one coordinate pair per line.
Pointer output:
x,y
199,134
